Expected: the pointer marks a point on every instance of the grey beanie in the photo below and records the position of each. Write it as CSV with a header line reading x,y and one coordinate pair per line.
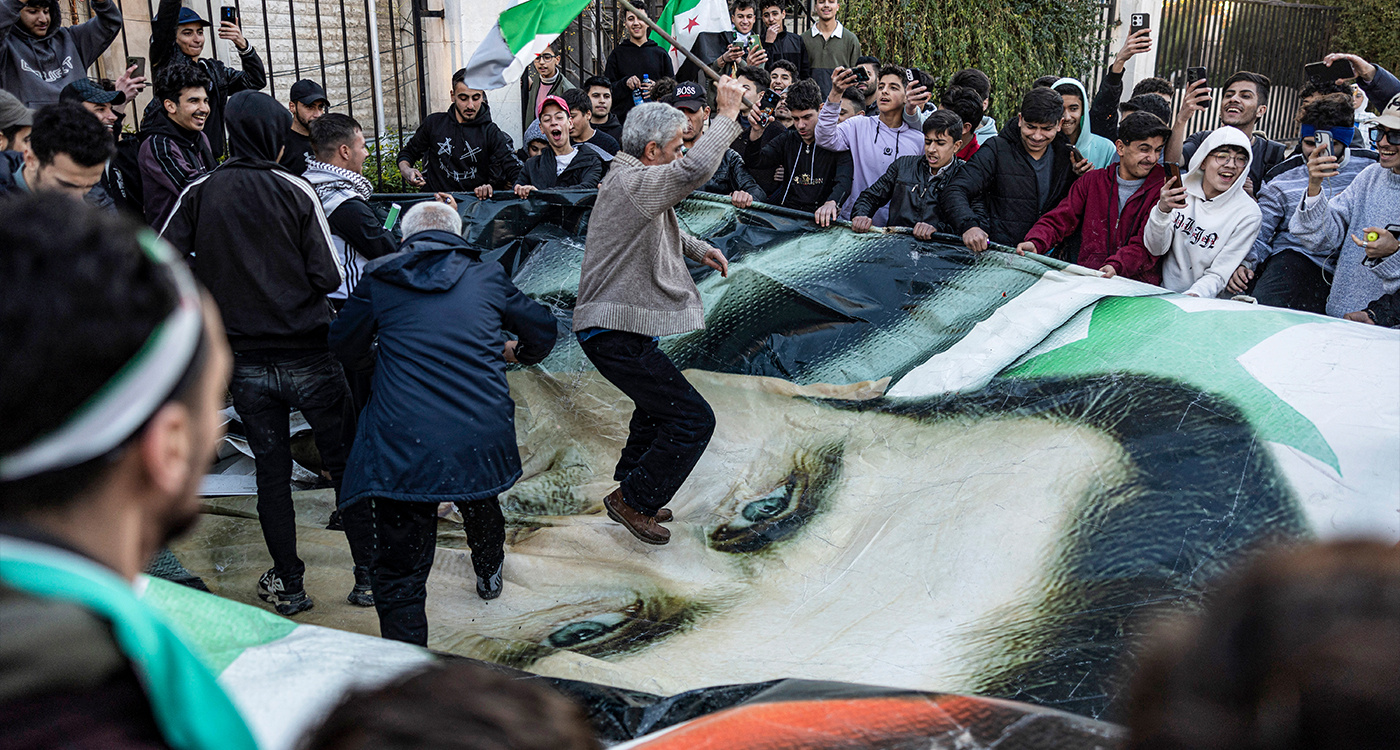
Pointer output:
x,y
13,112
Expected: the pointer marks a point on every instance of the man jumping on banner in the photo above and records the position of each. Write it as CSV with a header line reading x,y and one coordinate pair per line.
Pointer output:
x,y
635,288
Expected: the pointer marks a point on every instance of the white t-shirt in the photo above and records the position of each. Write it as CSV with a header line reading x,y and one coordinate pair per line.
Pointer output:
x,y
561,163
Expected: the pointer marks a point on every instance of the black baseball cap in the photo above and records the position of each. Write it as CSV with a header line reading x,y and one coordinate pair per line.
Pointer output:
x,y
307,91
688,95
88,90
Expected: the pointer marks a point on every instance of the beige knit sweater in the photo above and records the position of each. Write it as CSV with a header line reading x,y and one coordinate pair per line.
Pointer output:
x,y
634,274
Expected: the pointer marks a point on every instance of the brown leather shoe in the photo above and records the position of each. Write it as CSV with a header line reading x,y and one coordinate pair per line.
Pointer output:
x,y
642,526
664,515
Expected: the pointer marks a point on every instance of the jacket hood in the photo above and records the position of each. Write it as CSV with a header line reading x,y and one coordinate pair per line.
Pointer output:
x,y
1084,136
430,261
55,22
257,125
1225,135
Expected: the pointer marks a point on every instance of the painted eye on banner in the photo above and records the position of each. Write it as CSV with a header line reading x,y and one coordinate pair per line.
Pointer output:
x,y
647,620
779,514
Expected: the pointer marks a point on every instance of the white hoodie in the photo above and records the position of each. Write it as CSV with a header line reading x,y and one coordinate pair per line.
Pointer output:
x,y
1205,241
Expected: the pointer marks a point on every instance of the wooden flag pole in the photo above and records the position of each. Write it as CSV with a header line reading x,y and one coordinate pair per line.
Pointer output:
x,y
676,45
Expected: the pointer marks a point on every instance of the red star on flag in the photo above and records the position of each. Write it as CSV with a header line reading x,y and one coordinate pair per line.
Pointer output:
x,y
692,23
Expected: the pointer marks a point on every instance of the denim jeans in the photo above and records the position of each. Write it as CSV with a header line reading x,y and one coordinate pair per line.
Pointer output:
x,y
671,424
1290,279
407,536
267,385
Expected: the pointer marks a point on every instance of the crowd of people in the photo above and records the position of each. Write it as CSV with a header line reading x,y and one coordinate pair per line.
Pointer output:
x,y
850,136
287,290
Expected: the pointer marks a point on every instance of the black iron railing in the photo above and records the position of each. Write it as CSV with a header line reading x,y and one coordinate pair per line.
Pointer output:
x,y
1224,36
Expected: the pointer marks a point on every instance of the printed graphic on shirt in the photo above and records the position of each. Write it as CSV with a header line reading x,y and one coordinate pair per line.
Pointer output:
x,y
1195,234
445,147
49,76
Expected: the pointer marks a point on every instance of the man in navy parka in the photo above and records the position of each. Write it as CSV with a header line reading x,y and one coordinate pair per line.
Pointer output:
x,y
440,423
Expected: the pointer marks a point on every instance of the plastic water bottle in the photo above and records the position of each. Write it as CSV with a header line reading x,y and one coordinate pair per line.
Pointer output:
x,y
637,94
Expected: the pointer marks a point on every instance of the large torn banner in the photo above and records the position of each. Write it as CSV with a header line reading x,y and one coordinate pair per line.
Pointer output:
x,y
932,471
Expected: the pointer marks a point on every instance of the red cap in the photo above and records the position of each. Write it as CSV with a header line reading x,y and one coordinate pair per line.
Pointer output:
x,y
551,99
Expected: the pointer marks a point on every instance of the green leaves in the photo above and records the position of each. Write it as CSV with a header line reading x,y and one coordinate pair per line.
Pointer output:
x,y
1012,41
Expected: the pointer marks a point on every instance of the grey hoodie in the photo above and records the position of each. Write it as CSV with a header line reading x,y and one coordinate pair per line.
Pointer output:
x,y
35,69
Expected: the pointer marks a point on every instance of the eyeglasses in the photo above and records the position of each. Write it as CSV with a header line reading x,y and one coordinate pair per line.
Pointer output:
x,y
1385,134
1229,157
546,56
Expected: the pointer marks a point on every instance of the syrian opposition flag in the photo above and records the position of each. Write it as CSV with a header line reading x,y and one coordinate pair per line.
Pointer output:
x,y
521,32
686,19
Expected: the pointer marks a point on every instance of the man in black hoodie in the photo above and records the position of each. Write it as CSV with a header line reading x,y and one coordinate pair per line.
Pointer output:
x,y
1015,178
466,152
634,65
259,241
177,36
815,179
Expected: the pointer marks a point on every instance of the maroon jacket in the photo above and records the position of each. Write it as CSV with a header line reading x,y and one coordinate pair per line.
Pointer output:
x,y
1106,239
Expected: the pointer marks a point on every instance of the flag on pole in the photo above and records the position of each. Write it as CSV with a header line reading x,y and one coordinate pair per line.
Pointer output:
x,y
521,32
687,19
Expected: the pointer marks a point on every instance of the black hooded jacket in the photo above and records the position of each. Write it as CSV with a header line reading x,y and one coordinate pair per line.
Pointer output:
x,y
223,80
1000,181
258,236
813,175
584,171
912,191
731,176
462,156
627,60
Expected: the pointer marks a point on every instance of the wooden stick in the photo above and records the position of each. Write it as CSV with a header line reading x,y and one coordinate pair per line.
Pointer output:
x,y
677,45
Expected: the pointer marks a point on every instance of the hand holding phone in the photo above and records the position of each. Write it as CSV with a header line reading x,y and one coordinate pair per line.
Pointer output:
x,y
1173,173
1139,21
1323,140
136,62
1320,72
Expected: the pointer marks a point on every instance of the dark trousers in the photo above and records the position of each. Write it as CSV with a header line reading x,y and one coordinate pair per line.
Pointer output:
x,y
407,535
671,424
1290,279
267,385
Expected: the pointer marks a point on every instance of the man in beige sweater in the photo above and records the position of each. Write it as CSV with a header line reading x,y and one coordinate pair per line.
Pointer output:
x,y
635,288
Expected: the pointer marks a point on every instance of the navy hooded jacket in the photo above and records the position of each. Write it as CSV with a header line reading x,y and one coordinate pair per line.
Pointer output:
x,y
440,424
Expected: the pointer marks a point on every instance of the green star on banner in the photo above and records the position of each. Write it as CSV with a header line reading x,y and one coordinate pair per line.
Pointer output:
x,y
1151,336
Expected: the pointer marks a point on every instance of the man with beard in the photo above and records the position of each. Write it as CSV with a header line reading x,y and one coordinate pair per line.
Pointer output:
x,y
39,56
308,103
258,238
114,367
730,178
1243,103
1108,207
466,152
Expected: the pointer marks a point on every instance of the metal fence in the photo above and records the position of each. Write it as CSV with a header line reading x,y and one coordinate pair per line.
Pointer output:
x,y
364,53
1273,38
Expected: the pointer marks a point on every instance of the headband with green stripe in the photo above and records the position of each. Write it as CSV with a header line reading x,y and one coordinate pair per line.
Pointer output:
x,y
126,401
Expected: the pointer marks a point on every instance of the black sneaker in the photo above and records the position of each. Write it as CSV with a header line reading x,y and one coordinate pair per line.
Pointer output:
x,y
335,523
489,587
362,595
271,589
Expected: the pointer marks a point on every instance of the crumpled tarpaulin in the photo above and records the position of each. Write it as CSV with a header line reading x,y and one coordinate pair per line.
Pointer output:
x,y
933,471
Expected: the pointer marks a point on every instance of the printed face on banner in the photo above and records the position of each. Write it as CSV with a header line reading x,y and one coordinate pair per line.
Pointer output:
x,y
1005,532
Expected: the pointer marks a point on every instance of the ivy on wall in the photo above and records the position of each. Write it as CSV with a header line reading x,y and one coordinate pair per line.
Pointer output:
x,y
1013,41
